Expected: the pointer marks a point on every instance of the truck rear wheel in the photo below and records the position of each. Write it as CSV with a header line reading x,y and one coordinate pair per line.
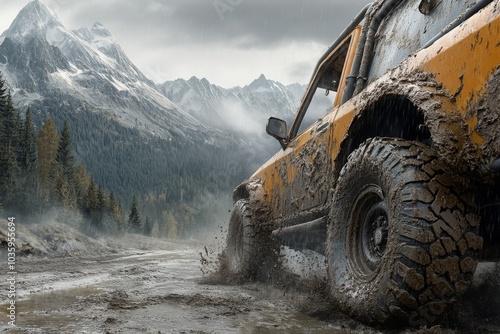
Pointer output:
x,y
402,242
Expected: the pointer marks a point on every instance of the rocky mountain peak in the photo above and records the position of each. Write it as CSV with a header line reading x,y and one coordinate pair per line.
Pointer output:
x,y
99,30
98,33
260,82
34,20
99,38
39,56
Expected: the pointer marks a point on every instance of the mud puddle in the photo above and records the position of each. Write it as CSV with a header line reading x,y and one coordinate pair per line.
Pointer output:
x,y
200,314
41,312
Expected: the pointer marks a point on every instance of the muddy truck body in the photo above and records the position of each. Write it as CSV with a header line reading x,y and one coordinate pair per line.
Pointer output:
x,y
398,183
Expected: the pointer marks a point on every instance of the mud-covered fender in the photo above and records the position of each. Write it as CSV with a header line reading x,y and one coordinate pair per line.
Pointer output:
x,y
252,190
448,128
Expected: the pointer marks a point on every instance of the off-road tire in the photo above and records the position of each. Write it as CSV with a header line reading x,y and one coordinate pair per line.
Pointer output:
x,y
241,246
402,239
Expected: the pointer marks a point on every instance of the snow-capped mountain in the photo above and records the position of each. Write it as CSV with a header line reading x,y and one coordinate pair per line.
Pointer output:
x,y
40,59
180,140
243,110
222,108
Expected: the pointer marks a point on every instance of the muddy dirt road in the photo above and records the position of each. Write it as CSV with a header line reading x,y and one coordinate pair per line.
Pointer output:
x,y
148,291
162,288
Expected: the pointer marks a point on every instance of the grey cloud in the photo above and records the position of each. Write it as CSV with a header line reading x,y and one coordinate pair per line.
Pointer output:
x,y
181,38
238,23
300,69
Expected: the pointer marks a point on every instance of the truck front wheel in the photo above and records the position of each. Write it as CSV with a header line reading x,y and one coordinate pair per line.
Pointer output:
x,y
241,246
402,240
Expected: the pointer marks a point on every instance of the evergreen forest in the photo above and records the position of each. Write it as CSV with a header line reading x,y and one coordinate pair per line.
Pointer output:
x,y
61,161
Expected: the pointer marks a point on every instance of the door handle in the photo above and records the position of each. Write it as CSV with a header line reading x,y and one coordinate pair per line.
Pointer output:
x,y
322,127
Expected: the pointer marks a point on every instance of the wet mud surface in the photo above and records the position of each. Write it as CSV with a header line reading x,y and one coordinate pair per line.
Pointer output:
x,y
165,290
178,288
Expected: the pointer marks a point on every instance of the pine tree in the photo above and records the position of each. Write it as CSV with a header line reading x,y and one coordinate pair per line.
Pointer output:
x,y
11,125
155,229
63,176
187,220
171,226
65,194
9,180
17,133
27,165
115,212
101,208
147,227
3,93
47,144
121,225
28,144
64,157
134,221
112,202
91,207
3,107
82,182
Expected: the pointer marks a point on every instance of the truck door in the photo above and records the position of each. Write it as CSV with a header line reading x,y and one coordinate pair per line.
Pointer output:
x,y
306,158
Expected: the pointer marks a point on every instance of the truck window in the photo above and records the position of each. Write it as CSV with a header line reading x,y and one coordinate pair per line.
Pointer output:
x,y
319,107
328,84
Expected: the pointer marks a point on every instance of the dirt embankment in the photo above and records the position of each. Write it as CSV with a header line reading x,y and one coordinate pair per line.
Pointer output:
x,y
55,239
60,240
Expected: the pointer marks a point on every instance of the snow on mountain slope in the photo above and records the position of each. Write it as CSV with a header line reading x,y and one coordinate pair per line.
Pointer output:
x,y
40,58
236,108
243,109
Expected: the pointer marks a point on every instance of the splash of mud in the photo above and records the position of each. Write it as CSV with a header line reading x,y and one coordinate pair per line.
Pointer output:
x,y
307,294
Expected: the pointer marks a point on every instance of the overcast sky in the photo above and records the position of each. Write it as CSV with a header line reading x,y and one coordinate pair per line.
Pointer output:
x,y
229,42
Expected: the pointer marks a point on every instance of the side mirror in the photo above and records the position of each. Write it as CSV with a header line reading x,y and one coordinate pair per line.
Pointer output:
x,y
277,128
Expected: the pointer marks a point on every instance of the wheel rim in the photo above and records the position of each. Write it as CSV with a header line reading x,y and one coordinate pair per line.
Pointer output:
x,y
368,231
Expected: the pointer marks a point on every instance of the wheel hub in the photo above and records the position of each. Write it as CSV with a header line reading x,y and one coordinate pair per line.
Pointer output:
x,y
374,235
380,236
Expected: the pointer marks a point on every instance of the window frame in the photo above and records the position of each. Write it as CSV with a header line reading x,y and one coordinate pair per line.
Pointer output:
x,y
353,40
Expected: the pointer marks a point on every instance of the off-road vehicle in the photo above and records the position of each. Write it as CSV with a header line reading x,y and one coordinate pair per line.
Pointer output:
x,y
398,183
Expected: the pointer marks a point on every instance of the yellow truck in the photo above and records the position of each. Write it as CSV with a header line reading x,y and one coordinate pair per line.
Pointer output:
x,y
398,184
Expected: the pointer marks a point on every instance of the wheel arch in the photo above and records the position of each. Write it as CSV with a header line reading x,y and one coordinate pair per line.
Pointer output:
x,y
241,192
392,115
